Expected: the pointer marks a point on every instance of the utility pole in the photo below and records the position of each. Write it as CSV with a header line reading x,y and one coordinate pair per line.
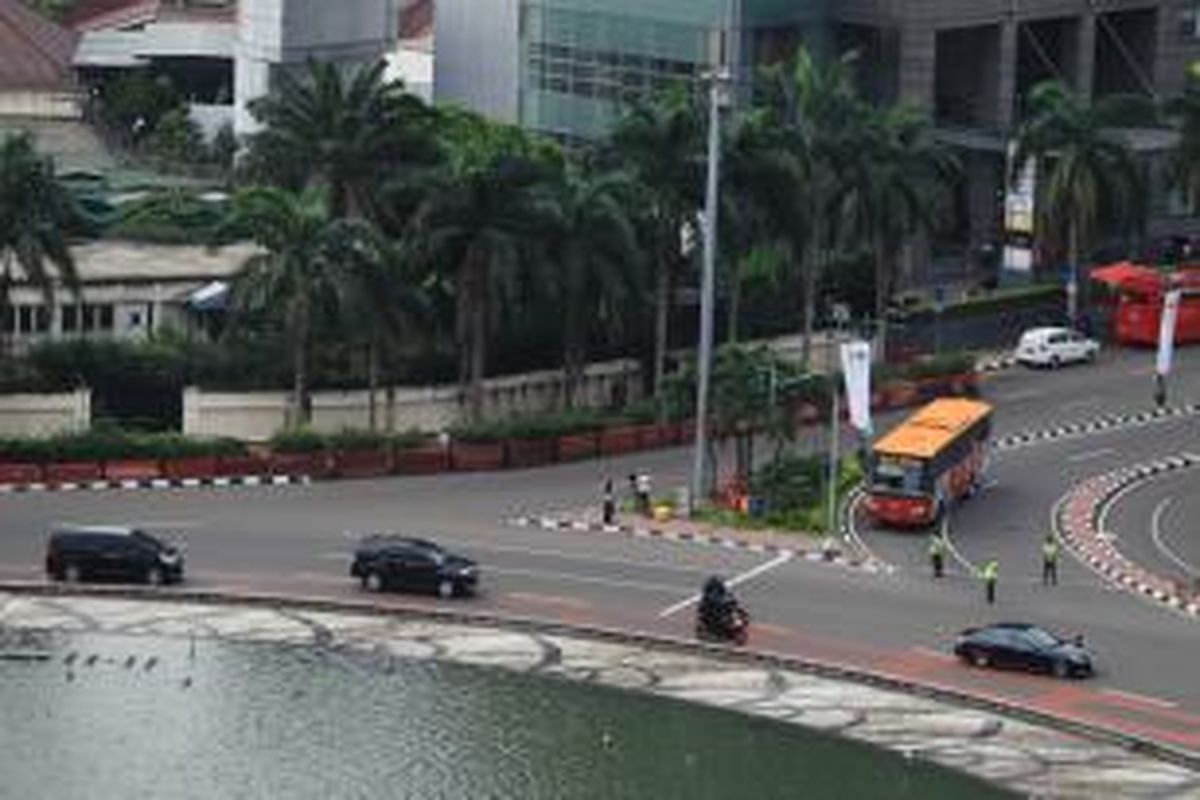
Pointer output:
x,y
718,80
841,316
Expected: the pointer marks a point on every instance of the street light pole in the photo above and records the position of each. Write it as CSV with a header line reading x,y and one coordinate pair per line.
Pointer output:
x,y
717,80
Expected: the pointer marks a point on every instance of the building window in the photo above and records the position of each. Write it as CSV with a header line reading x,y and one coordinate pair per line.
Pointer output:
x,y
8,317
89,317
106,317
135,319
70,319
25,319
41,319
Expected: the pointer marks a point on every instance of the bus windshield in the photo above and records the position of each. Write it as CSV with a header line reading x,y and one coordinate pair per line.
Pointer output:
x,y
898,474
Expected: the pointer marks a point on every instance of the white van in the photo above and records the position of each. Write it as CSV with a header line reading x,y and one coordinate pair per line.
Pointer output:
x,y
1052,347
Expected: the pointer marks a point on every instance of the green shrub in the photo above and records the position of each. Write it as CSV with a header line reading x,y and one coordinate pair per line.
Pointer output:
x,y
300,440
356,440
940,366
107,443
410,439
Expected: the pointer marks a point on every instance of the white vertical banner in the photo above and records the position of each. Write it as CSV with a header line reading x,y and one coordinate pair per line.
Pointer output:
x,y
1166,332
856,370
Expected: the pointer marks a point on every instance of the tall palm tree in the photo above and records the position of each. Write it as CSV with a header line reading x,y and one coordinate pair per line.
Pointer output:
x,y
480,212
1087,171
1184,111
897,184
300,271
662,145
341,131
819,113
596,253
35,213
381,297
757,170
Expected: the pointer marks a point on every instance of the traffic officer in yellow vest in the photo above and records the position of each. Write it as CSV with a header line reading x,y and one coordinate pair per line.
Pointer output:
x,y
1050,561
990,574
937,555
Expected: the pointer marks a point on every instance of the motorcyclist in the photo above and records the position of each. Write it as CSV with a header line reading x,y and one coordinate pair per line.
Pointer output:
x,y
719,611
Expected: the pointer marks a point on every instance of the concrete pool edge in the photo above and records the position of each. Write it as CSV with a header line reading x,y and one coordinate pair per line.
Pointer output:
x,y
1020,748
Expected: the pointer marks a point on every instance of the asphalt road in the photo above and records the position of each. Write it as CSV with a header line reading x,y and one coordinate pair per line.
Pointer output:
x,y
1154,524
298,539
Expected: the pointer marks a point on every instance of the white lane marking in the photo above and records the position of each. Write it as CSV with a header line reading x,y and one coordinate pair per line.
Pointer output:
x,y
1109,504
1140,698
749,574
853,534
954,551
1156,536
657,588
1090,454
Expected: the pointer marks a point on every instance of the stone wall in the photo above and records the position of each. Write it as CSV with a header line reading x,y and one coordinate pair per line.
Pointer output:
x,y
44,415
255,416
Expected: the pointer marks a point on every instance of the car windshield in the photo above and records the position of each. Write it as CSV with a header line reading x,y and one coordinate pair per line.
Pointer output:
x,y
1040,638
146,539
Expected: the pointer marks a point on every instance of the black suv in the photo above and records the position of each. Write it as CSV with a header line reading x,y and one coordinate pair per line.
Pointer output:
x,y
111,553
402,562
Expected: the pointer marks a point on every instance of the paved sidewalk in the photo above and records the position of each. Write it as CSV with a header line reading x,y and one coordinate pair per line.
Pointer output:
x,y
1025,756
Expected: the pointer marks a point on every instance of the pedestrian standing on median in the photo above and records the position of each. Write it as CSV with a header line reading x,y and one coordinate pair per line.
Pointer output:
x,y
937,555
610,502
1050,561
990,574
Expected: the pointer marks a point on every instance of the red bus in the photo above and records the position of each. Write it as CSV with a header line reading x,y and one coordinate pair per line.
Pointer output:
x,y
933,458
1139,305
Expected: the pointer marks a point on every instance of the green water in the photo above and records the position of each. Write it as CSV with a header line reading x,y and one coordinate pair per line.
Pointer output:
x,y
151,718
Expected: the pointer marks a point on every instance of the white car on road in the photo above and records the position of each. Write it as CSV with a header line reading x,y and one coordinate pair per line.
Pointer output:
x,y
1052,347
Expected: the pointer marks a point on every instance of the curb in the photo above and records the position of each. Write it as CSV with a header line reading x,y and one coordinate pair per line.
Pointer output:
x,y
1076,519
1097,424
832,556
158,483
1016,710
996,364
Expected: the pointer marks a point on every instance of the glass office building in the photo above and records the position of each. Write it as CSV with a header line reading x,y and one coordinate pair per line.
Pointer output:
x,y
566,67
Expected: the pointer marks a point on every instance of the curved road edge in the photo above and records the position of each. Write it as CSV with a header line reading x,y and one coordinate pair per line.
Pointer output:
x,y
1078,521
1085,757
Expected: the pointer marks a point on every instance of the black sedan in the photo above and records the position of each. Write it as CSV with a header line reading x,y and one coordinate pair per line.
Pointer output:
x,y
1016,645
388,561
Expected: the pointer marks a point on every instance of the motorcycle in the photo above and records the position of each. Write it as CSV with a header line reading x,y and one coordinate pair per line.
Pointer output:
x,y
732,626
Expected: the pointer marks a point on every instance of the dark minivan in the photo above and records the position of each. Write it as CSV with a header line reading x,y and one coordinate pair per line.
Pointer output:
x,y
388,561
102,552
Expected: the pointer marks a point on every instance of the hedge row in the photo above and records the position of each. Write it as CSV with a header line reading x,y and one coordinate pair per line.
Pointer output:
x,y
306,440
107,445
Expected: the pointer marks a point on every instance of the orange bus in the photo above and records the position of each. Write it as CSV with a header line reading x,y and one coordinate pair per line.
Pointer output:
x,y
933,458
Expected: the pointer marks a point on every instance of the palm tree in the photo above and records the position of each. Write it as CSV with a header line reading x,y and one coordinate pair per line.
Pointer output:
x,y
596,252
819,114
1184,168
479,214
300,271
757,170
342,132
35,213
380,297
662,144
896,184
1087,172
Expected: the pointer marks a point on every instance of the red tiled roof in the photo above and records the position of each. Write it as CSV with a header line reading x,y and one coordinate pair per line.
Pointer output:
x,y
90,15
34,52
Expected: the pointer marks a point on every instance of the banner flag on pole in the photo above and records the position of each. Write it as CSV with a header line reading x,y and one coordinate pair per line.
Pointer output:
x,y
1166,332
856,370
